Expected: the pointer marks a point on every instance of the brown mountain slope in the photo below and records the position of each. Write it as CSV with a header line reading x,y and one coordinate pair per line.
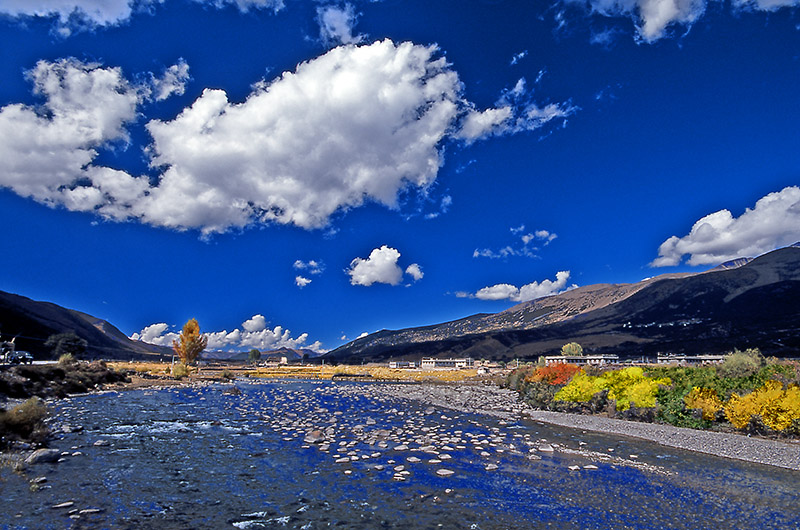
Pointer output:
x,y
756,304
32,322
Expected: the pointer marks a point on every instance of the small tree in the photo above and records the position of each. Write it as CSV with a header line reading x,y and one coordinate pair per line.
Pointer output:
x,y
67,343
254,356
190,343
571,349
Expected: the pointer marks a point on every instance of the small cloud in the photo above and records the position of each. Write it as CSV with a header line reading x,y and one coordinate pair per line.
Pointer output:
x,y
444,207
525,249
415,272
310,266
301,281
518,57
379,267
336,25
256,323
172,82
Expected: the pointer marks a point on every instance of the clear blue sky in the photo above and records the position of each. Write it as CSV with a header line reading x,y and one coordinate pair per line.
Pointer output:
x,y
296,173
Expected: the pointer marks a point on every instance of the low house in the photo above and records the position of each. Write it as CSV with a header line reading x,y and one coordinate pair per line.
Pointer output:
x,y
432,363
689,360
594,360
273,361
402,364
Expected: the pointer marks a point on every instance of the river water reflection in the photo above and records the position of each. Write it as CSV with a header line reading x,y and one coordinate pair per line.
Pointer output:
x,y
225,456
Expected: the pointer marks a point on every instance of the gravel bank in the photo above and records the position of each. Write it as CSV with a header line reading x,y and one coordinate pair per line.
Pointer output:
x,y
492,400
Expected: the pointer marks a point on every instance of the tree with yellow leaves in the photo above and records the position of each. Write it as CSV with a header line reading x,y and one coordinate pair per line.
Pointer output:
x,y
190,343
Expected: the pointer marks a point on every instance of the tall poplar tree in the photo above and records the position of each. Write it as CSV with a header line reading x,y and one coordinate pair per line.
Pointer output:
x,y
190,343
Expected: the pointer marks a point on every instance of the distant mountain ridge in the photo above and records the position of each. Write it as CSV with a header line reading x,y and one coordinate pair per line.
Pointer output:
x,y
32,322
747,302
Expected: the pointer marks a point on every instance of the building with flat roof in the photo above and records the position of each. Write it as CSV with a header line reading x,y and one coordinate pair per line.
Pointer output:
x,y
594,360
430,362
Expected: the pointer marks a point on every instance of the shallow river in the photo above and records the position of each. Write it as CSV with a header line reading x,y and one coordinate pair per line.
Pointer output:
x,y
229,457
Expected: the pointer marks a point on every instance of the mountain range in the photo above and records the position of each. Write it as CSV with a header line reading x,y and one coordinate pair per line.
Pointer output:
x,y
739,304
33,322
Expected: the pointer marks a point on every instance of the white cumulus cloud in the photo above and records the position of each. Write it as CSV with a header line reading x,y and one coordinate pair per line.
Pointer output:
x,y
254,334
46,152
530,291
301,281
156,334
357,124
256,323
380,267
773,222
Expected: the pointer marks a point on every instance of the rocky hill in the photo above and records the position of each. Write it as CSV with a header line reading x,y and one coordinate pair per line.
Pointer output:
x,y
744,303
32,322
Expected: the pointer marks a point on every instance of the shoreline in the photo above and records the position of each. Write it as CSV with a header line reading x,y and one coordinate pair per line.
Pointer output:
x,y
489,399
492,400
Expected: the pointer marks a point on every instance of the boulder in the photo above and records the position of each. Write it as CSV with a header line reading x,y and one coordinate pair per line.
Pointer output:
x,y
43,455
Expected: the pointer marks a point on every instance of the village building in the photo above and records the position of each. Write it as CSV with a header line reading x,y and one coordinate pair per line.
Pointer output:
x,y
433,363
594,360
689,360
402,364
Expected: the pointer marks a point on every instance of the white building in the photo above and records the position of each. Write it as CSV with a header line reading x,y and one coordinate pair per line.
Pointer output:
x,y
594,360
430,362
689,360
402,364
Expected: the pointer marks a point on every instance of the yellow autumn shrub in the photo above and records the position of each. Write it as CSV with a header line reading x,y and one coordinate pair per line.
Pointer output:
x,y
627,386
705,399
777,406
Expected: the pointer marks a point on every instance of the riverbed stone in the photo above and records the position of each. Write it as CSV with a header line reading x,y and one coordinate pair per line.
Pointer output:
x,y
43,456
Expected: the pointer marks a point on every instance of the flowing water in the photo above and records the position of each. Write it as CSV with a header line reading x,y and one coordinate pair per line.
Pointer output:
x,y
229,457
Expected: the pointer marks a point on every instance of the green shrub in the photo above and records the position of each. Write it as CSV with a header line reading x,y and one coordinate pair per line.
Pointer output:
x,y
25,422
227,374
180,370
66,359
739,364
571,349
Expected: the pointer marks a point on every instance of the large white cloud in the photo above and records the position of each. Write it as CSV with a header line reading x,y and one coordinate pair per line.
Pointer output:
x,y
356,124
653,18
254,334
718,237
530,291
359,123
46,153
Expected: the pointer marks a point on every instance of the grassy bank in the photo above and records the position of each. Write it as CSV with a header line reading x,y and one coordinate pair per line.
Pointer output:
x,y
745,393
325,372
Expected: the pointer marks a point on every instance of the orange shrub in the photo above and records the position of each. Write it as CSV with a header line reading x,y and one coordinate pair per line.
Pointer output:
x,y
554,374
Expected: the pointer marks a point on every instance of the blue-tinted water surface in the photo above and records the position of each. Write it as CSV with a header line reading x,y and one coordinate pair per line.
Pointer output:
x,y
215,457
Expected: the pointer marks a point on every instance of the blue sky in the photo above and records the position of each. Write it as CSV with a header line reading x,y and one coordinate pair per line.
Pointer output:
x,y
296,173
